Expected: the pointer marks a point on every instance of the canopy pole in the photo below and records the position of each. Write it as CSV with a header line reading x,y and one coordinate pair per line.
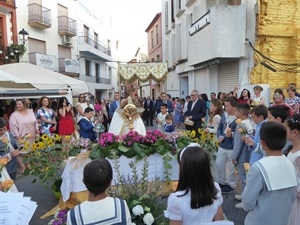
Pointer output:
x,y
119,78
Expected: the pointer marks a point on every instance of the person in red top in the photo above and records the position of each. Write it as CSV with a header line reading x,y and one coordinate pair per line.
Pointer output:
x,y
66,118
245,97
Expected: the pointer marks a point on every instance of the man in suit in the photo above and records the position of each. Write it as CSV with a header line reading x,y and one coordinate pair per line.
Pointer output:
x,y
164,99
196,110
148,106
114,105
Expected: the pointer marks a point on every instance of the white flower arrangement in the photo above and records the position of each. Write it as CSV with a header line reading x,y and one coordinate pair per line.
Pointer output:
x,y
138,210
148,219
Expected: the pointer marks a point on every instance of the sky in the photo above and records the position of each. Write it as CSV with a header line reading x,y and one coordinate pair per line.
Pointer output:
x,y
130,18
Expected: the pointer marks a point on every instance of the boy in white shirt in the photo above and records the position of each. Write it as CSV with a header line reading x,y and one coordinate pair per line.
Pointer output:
x,y
161,117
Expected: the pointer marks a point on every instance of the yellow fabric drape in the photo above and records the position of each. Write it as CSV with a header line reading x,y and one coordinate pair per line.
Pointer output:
x,y
143,71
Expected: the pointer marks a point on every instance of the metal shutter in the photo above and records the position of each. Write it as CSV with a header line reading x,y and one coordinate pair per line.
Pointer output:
x,y
202,81
228,76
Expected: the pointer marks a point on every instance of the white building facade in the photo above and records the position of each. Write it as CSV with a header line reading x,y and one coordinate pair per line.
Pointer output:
x,y
67,37
205,44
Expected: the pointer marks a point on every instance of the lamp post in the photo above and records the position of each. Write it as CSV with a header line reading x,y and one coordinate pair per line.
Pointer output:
x,y
23,36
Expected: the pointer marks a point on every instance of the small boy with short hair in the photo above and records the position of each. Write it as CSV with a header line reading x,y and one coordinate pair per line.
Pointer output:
x,y
86,126
161,117
269,193
259,115
169,127
240,153
99,208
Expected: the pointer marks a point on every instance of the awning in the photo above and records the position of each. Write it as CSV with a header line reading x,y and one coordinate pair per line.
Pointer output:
x,y
143,71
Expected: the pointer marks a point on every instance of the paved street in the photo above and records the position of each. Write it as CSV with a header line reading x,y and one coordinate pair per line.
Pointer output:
x,y
46,201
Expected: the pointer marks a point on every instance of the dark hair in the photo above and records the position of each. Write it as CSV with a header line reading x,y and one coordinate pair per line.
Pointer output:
x,y
260,110
188,97
97,176
169,96
242,97
195,176
2,122
164,105
169,116
61,101
293,122
204,97
281,111
274,135
88,109
243,108
233,101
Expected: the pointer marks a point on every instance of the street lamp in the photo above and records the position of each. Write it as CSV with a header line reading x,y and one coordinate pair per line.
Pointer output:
x,y
23,35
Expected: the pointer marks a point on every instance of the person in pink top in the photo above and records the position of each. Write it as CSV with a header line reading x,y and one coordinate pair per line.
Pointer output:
x,y
23,124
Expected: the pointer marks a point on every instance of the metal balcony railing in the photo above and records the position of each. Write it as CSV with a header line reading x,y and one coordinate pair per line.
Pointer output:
x,y
102,80
97,45
66,26
38,14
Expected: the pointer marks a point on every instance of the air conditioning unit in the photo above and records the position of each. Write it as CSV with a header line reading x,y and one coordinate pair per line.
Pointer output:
x,y
66,40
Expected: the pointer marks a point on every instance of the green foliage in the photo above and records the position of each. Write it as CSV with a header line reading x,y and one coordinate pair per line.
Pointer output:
x,y
137,191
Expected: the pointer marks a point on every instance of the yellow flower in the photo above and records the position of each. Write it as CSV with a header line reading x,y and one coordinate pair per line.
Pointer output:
x,y
3,161
50,143
33,147
41,145
246,167
7,184
4,140
68,138
45,137
193,133
238,121
199,130
57,137
240,130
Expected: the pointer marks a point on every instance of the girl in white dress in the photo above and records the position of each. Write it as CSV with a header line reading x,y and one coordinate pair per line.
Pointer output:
x,y
198,199
292,125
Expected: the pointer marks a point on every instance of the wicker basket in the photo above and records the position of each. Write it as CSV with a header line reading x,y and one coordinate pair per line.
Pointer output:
x,y
189,122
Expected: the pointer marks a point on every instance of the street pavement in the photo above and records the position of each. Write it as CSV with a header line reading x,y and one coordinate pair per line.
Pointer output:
x,y
46,201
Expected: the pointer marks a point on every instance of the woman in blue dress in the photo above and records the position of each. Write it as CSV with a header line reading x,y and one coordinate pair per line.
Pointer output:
x,y
178,108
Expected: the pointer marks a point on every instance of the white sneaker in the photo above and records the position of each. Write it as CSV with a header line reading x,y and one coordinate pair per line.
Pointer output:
x,y
238,197
239,205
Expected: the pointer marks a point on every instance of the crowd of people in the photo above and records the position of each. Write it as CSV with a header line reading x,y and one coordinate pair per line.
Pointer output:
x,y
267,137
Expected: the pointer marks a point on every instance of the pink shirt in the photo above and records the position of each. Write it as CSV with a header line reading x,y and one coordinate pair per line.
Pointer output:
x,y
20,125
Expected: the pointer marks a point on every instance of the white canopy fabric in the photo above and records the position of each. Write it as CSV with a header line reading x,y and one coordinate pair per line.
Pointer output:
x,y
143,71
44,79
10,81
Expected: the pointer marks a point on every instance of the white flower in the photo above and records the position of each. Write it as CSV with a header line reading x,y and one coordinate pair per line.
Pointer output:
x,y
148,219
138,210
132,223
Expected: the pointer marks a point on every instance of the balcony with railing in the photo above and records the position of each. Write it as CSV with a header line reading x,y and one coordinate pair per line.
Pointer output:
x,y
66,26
8,2
39,16
91,48
102,80
68,66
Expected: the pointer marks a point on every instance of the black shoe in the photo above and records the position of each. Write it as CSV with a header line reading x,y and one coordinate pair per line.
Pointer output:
x,y
227,190
222,185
